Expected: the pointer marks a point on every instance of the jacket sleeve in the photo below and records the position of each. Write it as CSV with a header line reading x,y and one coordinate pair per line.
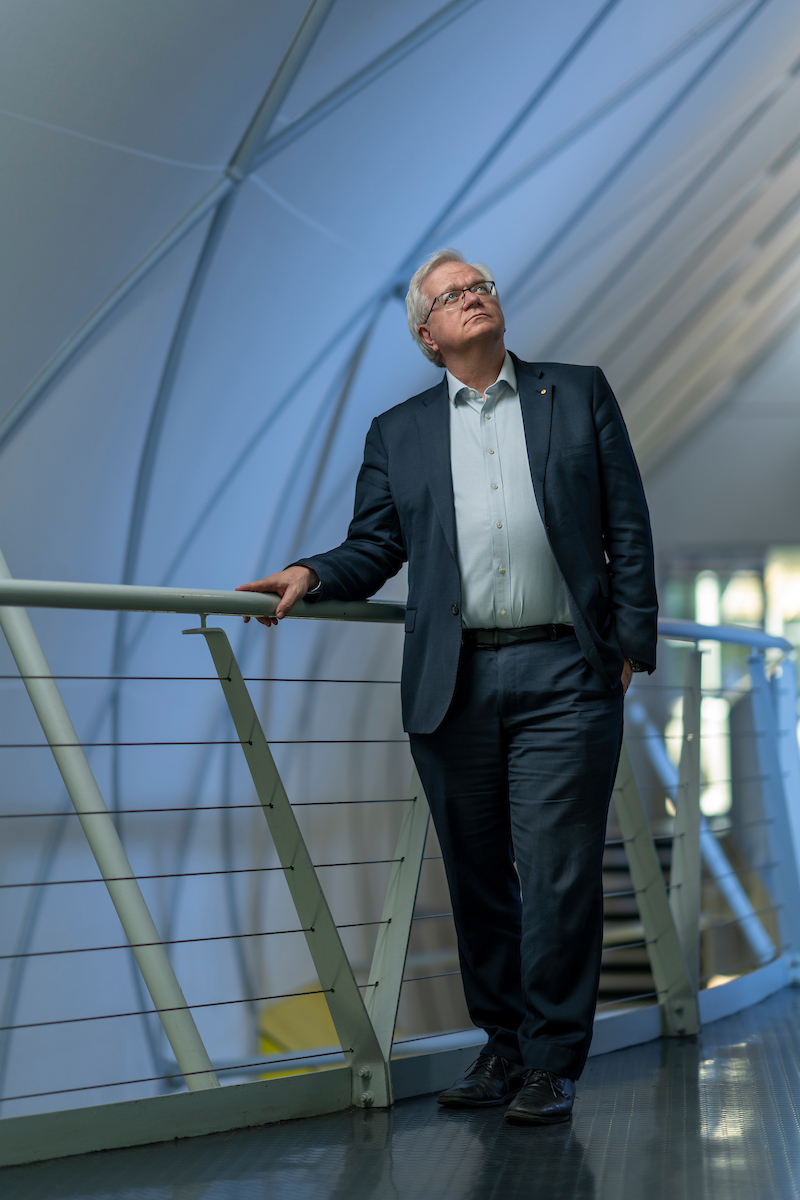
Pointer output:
x,y
373,550
627,539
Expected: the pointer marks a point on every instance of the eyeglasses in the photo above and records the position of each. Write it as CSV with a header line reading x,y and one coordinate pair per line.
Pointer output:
x,y
455,298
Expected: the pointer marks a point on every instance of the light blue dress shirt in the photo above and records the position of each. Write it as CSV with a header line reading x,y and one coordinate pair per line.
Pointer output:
x,y
509,577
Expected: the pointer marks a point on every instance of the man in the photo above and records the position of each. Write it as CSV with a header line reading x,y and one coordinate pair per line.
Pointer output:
x,y
512,490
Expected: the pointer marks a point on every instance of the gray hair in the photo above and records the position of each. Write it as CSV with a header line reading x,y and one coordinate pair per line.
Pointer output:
x,y
418,304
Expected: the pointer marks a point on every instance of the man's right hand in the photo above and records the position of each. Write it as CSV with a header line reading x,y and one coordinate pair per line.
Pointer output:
x,y
291,585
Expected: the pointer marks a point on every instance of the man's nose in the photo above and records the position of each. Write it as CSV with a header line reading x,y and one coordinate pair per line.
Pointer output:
x,y
470,298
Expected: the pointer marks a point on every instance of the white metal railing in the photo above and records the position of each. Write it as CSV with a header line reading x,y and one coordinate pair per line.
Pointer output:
x,y
671,916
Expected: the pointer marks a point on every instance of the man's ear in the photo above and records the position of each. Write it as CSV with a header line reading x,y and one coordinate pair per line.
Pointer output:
x,y
425,334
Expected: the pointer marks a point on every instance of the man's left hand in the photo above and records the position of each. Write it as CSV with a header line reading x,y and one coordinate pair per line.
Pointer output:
x,y
627,675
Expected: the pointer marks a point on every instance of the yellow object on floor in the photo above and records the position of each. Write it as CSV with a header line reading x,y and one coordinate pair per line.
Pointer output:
x,y
297,1023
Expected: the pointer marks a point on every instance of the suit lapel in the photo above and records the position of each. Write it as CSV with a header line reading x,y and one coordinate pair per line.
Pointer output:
x,y
536,401
433,421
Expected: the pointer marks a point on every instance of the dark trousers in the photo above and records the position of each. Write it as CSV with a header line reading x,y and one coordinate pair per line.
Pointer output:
x,y
520,772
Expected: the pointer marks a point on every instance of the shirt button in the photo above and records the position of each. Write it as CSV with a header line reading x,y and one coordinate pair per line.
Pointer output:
x,y
487,416
499,524
491,451
503,612
494,487
502,570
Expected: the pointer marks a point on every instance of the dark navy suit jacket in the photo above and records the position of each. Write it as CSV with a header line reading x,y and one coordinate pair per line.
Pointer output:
x,y
591,500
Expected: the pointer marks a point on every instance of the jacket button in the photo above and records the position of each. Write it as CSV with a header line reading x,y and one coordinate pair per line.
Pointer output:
x,y
454,609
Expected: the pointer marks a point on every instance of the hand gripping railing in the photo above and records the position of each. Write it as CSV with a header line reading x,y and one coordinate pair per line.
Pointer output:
x,y
670,916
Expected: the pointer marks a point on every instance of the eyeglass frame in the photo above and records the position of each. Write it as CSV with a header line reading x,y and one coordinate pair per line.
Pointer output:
x,y
471,288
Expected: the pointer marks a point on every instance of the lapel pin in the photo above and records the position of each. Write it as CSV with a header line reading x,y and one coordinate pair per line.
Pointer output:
x,y
544,391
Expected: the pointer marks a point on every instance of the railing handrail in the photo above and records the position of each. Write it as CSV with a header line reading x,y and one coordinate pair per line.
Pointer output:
x,y
735,635
116,597
41,593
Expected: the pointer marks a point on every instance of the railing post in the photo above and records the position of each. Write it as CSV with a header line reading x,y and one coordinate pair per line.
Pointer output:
x,y
677,996
784,693
786,886
371,1079
713,856
684,896
391,948
104,842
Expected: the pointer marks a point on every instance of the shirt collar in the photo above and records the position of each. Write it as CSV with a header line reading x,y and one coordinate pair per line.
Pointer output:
x,y
507,375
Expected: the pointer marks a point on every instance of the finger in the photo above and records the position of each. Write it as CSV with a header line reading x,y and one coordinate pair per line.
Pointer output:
x,y
245,619
256,586
285,603
288,600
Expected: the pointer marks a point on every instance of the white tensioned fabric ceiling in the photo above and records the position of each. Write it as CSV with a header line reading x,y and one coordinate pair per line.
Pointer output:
x,y
630,171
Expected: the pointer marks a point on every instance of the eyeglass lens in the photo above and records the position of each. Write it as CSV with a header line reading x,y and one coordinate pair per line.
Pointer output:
x,y
484,287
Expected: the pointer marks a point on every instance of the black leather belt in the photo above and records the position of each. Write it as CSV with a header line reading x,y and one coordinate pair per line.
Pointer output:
x,y
492,639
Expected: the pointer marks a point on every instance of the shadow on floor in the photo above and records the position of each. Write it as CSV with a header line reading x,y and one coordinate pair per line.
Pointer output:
x,y
716,1117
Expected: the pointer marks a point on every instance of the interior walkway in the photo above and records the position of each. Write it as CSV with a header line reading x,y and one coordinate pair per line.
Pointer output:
x,y
711,1117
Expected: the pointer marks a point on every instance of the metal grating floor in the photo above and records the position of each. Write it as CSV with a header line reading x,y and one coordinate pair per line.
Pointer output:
x,y
716,1117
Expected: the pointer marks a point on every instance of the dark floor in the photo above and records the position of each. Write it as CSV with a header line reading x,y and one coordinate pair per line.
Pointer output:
x,y
716,1117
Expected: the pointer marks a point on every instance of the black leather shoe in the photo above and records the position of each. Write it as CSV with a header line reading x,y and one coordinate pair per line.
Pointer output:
x,y
489,1081
543,1099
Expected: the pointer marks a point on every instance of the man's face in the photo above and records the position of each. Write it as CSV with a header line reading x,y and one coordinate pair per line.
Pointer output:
x,y
479,319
